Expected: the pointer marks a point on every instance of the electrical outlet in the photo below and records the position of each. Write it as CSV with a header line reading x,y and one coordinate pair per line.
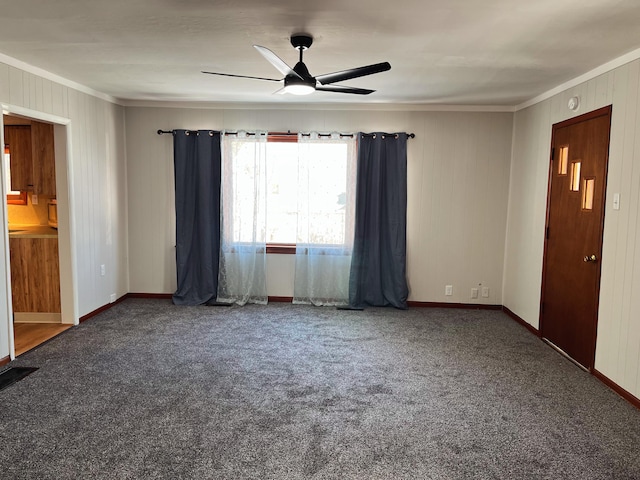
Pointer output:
x,y
474,293
103,270
448,290
113,297
485,292
34,199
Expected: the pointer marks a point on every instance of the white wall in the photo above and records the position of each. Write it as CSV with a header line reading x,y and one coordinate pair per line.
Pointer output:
x,y
618,338
97,183
458,170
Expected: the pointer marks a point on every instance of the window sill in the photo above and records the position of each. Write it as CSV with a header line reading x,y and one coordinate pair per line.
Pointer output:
x,y
320,249
281,248
290,249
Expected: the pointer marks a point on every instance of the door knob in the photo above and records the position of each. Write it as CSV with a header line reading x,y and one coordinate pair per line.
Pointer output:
x,y
590,258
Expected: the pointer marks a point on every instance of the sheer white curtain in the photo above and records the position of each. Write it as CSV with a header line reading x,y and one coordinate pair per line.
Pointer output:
x,y
326,210
242,277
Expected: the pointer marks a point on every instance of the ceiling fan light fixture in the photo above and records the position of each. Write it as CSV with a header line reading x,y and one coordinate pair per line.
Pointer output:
x,y
299,85
299,89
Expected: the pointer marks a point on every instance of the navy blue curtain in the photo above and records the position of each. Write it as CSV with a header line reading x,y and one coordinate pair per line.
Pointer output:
x,y
378,263
197,167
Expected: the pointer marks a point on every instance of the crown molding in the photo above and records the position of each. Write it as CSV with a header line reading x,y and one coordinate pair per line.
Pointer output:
x,y
591,74
14,62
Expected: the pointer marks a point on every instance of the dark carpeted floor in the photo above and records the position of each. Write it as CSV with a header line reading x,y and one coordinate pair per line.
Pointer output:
x,y
151,390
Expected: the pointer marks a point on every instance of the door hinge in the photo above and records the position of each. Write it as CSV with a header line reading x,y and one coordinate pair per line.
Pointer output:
x,y
553,153
541,307
546,233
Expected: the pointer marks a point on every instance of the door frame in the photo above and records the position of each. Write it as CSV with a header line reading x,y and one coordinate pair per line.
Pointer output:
x,y
566,123
66,225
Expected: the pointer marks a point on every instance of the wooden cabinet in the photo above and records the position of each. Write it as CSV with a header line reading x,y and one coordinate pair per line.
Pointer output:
x,y
33,164
35,274
18,139
43,158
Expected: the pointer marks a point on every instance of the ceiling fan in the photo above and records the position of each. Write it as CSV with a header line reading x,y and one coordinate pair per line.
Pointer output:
x,y
298,80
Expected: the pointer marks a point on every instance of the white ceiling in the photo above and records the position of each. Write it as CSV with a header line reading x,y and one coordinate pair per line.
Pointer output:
x,y
470,52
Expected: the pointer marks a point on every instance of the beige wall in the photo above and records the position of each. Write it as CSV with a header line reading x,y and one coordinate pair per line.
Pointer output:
x,y
96,186
618,340
458,170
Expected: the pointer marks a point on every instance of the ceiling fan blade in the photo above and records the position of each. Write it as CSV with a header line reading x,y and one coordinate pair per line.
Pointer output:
x,y
339,89
276,61
353,73
243,76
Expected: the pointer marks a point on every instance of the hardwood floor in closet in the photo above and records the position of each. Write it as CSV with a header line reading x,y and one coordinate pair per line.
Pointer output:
x,y
30,335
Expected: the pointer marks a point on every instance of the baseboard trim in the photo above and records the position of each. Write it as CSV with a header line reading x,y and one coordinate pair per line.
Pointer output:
x,y
521,321
470,306
4,361
163,296
101,309
629,397
169,296
284,299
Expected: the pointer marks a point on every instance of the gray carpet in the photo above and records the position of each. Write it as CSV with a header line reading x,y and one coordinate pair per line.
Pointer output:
x,y
151,390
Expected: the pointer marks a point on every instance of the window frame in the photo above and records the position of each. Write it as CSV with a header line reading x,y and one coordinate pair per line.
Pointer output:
x,y
287,248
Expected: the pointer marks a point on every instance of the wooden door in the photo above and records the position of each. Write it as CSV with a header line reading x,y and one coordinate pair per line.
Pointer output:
x,y
573,246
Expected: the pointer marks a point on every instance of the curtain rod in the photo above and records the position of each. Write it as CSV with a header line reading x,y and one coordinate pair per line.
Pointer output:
x,y
173,132
409,135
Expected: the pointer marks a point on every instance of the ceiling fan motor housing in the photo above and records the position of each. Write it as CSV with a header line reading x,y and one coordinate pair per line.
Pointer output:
x,y
307,80
301,41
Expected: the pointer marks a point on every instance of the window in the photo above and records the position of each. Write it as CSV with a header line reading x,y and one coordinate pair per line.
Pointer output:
x,y
297,210
563,160
574,186
587,193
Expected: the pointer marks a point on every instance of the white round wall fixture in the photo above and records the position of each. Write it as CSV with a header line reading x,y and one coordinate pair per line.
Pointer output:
x,y
574,103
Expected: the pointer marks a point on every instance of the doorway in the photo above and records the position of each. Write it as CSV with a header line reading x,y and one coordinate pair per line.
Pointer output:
x,y
574,229
63,248
29,167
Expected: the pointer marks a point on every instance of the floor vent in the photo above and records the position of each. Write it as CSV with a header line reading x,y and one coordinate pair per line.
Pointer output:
x,y
13,375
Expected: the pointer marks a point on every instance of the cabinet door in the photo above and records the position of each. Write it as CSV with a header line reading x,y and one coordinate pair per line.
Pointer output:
x,y
35,275
19,255
44,160
18,139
